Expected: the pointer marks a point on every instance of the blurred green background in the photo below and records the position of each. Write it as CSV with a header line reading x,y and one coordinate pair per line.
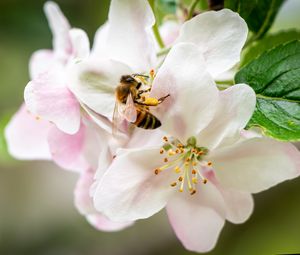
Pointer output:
x,y
37,215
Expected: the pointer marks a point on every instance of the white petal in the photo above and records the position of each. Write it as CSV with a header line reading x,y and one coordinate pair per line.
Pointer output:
x,y
197,221
26,136
129,37
94,82
235,108
47,97
219,35
100,41
130,190
80,43
193,94
169,31
256,164
60,29
40,62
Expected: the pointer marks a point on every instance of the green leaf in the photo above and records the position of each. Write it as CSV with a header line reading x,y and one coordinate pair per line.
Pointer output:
x,y
258,14
267,43
3,147
275,78
165,8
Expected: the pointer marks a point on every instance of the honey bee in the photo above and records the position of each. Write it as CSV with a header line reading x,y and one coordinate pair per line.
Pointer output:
x,y
133,106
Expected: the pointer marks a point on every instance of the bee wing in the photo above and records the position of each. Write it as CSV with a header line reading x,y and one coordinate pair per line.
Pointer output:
x,y
130,110
117,119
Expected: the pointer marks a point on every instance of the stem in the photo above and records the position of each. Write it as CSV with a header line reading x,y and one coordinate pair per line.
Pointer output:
x,y
192,8
223,86
163,52
155,26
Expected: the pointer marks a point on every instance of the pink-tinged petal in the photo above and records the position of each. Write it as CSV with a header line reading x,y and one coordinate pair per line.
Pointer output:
x,y
198,220
219,35
40,62
94,81
130,190
235,108
67,150
129,36
169,31
193,94
102,223
60,27
80,43
256,164
50,99
26,136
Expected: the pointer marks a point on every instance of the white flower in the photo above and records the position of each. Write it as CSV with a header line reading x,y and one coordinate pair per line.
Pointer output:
x,y
205,171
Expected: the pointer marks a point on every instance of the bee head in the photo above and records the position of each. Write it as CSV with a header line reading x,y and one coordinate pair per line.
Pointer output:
x,y
128,79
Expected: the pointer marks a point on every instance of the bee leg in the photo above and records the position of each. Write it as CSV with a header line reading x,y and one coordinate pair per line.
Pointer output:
x,y
160,100
141,75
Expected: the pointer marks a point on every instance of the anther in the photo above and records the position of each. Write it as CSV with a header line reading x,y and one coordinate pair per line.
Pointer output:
x,y
161,151
209,163
157,171
180,178
165,139
194,171
177,169
173,184
204,181
194,180
194,163
165,160
37,117
171,153
193,192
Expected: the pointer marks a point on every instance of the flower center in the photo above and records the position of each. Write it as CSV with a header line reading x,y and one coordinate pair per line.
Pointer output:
x,y
187,161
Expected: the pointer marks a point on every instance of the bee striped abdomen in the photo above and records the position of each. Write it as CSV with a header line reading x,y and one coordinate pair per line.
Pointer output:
x,y
146,120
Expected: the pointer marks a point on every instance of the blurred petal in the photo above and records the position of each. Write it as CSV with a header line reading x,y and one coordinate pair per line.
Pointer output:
x,y
197,220
40,62
80,43
94,81
130,190
101,223
235,108
60,27
219,35
67,150
100,41
26,136
193,94
169,31
256,164
51,100
129,36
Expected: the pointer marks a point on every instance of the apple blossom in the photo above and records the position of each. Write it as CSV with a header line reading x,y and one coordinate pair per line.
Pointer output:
x,y
204,170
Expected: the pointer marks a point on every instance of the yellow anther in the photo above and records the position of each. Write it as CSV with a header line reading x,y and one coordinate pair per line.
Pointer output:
x,y
181,190
188,160
177,151
200,153
151,101
173,184
171,153
194,171
152,73
194,163
177,169
194,180
179,145
186,163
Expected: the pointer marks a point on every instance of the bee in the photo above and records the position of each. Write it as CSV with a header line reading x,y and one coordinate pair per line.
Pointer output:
x,y
133,106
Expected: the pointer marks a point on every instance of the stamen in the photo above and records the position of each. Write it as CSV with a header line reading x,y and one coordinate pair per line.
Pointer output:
x,y
165,139
209,163
166,160
161,151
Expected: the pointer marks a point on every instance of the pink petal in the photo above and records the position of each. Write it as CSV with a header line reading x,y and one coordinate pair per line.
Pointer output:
x,y
256,164
130,190
197,220
67,150
49,98
80,43
40,62
26,136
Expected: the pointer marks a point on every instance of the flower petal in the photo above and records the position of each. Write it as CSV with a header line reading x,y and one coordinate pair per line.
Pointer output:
x,y
197,221
129,36
80,43
94,81
100,41
193,94
40,62
219,35
67,150
130,190
26,136
102,223
169,31
235,108
256,164
49,98
60,29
